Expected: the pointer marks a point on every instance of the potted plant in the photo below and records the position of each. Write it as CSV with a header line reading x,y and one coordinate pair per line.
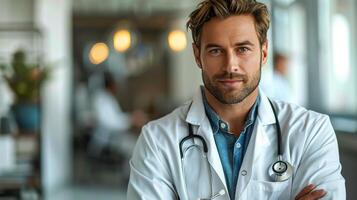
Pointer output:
x,y
25,81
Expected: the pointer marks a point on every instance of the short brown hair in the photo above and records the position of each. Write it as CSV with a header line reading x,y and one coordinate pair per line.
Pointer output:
x,y
209,9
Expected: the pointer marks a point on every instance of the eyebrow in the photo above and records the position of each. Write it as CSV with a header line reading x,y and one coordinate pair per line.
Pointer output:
x,y
243,43
246,42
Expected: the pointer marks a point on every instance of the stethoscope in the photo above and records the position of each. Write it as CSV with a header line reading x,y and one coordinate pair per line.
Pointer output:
x,y
279,170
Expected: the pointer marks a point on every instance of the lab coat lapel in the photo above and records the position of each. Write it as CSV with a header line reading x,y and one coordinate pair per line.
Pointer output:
x,y
205,130
262,136
258,144
197,116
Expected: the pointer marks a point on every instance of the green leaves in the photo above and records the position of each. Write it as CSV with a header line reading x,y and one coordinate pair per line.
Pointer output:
x,y
24,79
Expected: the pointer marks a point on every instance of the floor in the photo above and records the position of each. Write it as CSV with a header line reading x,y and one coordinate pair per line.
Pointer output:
x,y
88,193
348,157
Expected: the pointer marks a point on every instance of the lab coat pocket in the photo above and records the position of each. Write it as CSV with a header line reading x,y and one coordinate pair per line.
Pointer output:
x,y
196,172
269,190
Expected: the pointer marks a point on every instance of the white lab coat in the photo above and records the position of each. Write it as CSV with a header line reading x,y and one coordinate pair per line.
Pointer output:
x,y
309,144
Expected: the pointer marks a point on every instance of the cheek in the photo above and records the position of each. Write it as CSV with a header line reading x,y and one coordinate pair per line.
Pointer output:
x,y
253,63
208,73
212,63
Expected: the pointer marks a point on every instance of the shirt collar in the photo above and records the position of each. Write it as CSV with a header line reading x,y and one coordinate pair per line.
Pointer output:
x,y
215,120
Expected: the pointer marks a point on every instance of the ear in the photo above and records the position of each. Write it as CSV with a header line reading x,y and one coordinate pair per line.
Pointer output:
x,y
196,52
265,52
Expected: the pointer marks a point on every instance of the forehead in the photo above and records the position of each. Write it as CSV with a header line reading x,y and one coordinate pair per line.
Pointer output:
x,y
234,29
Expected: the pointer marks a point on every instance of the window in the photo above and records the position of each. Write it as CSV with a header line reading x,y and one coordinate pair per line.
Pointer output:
x,y
340,75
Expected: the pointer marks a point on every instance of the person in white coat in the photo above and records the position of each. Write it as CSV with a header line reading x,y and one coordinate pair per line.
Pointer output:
x,y
277,86
113,128
231,141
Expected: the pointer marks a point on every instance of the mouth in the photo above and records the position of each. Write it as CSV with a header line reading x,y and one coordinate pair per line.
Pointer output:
x,y
230,82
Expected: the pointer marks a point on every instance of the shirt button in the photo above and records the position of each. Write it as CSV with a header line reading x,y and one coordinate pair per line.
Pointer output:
x,y
238,145
223,125
244,172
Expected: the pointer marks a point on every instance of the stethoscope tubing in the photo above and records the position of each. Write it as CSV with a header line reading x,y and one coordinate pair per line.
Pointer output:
x,y
278,129
282,174
204,143
191,135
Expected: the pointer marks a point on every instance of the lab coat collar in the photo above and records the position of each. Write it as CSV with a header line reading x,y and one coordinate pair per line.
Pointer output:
x,y
196,113
265,112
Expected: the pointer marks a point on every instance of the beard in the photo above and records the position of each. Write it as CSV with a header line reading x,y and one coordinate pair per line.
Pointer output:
x,y
231,96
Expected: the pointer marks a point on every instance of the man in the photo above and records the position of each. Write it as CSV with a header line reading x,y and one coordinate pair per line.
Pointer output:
x,y
223,144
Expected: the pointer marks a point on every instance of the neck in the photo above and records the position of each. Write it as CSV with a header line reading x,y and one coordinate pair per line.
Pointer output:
x,y
234,114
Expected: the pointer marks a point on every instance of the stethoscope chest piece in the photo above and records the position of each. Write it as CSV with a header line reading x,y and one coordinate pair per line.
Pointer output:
x,y
280,171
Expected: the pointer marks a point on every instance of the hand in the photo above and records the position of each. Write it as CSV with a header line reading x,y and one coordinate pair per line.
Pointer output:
x,y
308,194
138,118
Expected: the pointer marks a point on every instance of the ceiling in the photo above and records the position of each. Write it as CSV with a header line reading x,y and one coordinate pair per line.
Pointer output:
x,y
145,7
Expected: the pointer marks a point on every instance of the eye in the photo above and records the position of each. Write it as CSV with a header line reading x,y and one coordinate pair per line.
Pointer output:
x,y
243,49
215,52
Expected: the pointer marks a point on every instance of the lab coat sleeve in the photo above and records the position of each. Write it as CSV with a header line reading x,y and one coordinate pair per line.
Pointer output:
x,y
320,163
149,175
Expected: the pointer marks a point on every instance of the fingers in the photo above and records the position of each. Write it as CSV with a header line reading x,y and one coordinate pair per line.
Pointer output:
x,y
305,191
315,195
308,194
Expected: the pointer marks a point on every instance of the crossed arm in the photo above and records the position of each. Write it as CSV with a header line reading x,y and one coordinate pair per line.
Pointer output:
x,y
319,165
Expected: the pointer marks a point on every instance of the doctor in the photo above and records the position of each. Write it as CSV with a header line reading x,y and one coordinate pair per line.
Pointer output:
x,y
230,141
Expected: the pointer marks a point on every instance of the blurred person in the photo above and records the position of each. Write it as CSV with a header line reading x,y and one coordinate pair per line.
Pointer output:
x,y
231,141
113,126
277,86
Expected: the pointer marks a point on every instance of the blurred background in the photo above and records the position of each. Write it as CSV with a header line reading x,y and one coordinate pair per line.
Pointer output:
x,y
78,79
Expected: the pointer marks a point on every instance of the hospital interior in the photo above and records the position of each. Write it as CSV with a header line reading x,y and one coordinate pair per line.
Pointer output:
x,y
89,74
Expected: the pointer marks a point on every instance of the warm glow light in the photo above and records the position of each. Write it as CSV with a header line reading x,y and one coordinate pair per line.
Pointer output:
x,y
177,40
98,53
122,40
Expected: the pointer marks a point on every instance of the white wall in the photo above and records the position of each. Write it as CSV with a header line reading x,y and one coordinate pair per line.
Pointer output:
x,y
53,17
16,11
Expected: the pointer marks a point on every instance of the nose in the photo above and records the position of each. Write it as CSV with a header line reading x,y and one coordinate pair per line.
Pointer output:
x,y
232,63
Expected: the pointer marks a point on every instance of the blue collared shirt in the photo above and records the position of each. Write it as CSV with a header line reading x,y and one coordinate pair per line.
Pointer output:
x,y
231,148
